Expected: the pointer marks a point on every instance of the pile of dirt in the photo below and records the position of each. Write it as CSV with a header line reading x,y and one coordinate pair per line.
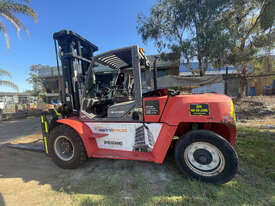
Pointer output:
x,y
258,107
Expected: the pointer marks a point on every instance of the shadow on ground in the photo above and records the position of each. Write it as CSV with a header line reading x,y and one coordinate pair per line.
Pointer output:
x,y
123,182
2,202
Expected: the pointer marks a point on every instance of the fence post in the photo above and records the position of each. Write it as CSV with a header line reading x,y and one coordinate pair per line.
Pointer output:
x,y
226,83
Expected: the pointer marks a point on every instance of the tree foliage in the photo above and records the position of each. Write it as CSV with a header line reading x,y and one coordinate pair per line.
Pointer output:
x,y
6,82
251,33
8,9
35,79
267,17
219,32
190,28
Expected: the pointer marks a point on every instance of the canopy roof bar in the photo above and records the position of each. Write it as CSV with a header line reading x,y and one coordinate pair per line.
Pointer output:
x,y
117,59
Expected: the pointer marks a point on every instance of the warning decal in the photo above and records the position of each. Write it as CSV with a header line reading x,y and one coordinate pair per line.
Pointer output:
x,y
152,107
199,109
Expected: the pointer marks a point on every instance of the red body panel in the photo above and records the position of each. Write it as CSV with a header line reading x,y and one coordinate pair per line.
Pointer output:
x,y
177,112
84,132
163,142
118,154
173,113
177,108
157,155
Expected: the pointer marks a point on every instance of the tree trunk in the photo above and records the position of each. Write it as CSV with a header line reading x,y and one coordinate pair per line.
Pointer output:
x,y
200,65
189,66
243,83
242,88
205,65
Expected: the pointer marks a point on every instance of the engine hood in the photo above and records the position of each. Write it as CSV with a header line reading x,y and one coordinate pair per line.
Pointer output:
x,y
207,107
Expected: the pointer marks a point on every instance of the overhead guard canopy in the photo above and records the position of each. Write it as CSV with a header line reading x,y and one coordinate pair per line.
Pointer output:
x,y
118,59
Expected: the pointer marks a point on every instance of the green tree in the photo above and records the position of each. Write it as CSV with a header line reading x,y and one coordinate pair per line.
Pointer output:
x,y
8,9
251,33
6,82
190,28
35,79
267,16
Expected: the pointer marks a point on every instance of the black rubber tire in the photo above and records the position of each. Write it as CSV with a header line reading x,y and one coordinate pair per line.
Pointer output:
x,y
80,154
230,156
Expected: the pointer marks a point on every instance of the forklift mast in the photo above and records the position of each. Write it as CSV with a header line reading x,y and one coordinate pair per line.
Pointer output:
x,y
76,55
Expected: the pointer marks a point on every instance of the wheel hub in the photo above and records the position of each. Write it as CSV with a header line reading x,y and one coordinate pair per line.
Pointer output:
x,y
64,148
202,156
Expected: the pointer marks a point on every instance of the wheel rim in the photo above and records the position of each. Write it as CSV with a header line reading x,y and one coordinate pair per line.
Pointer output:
x,y
64,148
204,159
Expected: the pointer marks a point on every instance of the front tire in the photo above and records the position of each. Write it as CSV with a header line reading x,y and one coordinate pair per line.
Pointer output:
x,y
66,148
206,156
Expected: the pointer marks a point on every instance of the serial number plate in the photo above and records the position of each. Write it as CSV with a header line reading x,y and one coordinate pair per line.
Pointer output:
x,y
199,109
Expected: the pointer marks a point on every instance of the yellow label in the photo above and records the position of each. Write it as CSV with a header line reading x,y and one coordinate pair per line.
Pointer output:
x,y
199,109
232,112
46,127
56,112
46,144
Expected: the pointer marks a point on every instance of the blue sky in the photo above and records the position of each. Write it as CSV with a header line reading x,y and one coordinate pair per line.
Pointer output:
x,y
109,24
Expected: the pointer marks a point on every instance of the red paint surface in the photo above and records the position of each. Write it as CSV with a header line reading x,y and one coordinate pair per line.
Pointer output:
x,y
163,142
84,132
177,113
119,154
154,118
178,108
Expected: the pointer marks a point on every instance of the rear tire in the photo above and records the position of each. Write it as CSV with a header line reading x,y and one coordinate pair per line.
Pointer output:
x,y
66,147
206,156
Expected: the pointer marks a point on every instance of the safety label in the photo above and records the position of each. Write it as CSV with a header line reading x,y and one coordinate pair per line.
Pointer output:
x,y
199,109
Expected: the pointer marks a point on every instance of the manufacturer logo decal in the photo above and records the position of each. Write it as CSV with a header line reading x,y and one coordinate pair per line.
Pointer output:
x,y
103,129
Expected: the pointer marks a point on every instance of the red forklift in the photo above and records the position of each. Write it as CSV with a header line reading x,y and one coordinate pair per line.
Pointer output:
x,y
106,113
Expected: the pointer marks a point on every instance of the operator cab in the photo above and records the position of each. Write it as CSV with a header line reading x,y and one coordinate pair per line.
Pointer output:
x,y
113,86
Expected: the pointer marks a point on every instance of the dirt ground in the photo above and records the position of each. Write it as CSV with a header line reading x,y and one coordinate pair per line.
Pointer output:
x,y
31,178
255,108
14,129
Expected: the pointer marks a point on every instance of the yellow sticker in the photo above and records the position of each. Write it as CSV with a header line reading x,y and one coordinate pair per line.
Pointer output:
x,y
46,144
46,127
199,109
232,112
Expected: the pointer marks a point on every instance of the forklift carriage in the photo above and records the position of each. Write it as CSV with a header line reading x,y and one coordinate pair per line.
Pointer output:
x,y
105,113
